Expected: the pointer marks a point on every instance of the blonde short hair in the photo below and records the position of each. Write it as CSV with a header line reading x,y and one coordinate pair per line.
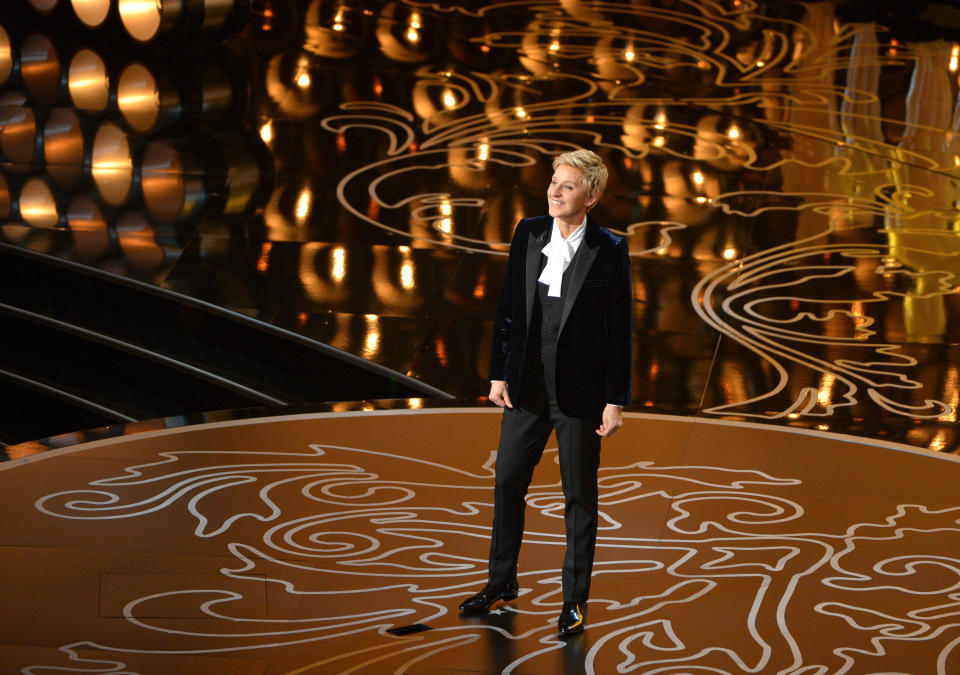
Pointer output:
x,y
593,172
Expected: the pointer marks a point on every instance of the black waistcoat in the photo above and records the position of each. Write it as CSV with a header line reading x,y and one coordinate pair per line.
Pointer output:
x,y
540,370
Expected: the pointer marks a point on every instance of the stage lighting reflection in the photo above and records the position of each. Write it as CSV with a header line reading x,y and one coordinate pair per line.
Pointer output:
x,y
143,19
138,242
172,184
112,164
142,99
40,69
88,229
92,13
37,205
243,175
88,82
6,56
18,136
63,146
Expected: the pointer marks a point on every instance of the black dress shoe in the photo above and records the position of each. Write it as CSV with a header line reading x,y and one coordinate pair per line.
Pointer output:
x,y
573,618
482,601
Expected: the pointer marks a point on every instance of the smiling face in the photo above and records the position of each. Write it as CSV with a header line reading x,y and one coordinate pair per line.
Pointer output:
x,y
567,198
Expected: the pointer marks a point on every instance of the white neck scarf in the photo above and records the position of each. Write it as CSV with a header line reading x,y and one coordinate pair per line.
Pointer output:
x,y
559,253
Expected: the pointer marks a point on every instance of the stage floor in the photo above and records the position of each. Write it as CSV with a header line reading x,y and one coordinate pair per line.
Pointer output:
x,y
343,543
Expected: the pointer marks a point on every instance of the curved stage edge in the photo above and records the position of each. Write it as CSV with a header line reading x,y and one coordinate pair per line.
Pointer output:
x,y
342,542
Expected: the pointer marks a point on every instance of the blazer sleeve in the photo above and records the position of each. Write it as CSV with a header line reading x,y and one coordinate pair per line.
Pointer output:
x,y
620,316
503,320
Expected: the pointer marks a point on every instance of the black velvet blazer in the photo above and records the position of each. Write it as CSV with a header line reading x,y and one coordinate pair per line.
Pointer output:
x,y
596,324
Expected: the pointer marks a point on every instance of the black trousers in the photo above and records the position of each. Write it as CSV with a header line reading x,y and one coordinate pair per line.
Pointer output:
x,y
523,435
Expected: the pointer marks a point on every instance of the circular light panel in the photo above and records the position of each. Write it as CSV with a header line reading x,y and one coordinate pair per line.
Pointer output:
x,y
138,97
88,82
37,205
112,164
63,146
142,18
91,13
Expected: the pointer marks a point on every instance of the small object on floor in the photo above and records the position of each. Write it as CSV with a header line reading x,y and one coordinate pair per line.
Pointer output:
x,y
482,601
409,630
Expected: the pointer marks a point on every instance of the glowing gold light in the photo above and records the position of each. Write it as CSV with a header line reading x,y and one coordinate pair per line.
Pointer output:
x,y
263,262
138,97
413,27
91,12
112,164
338,264
141,18
555,46
445,225
302,77
733,133
660,121
629,54
37,205
266,133
521,113
371,344
793,416
446,208
825,393
404,249
407,279
761,64
303,204
267,17
658,141
938,442
484,153
701,199
87,81
729,253
697,177
415,403
449,100
338,20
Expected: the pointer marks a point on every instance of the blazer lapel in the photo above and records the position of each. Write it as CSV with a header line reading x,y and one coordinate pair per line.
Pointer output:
x,y
535,244
590,246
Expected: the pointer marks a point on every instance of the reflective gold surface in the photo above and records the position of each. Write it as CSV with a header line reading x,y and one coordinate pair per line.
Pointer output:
x,y
64,146
786,176
297,544
92,13
112,164
88,82
142,18
138,97
37,206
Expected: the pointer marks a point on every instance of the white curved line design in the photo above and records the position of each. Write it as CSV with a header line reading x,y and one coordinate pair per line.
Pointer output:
x,y
391,550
